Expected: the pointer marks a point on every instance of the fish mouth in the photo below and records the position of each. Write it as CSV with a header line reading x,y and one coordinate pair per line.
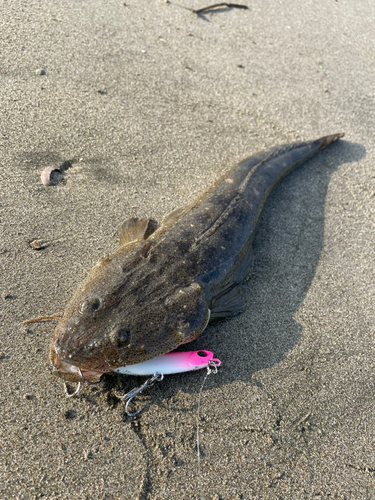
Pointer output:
x,y
69,372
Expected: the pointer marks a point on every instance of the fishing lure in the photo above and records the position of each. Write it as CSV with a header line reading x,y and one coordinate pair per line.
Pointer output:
x,y
166,364
172,362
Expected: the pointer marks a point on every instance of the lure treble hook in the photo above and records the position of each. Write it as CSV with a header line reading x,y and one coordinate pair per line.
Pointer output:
x,y
128,397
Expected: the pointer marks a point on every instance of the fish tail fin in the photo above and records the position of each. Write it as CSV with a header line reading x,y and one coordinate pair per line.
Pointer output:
x,y
328,139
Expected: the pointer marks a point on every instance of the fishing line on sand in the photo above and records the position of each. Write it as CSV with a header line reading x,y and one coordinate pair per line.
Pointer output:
x,y
211,368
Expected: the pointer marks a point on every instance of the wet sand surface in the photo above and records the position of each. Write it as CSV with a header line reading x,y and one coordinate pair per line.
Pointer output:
x,y
145,104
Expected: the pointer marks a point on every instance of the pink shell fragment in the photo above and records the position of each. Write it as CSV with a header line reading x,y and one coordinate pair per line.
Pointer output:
x,y
46,176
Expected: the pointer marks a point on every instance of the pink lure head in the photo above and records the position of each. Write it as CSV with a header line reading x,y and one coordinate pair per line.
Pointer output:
x,y
200,359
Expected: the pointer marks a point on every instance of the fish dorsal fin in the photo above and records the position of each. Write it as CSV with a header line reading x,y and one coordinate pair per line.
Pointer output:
x,y
168,222
136,229
173,217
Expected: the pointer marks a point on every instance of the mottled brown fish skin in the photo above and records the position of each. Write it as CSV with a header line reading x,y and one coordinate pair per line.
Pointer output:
x,y
161,287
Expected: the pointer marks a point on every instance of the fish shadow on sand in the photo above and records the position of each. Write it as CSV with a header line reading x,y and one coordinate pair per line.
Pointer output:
x,y
287,249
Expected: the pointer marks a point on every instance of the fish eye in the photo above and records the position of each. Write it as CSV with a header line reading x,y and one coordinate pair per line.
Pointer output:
x,y
121,337
90,305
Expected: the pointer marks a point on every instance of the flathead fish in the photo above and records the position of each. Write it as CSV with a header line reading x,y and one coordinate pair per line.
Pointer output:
x,y
163,285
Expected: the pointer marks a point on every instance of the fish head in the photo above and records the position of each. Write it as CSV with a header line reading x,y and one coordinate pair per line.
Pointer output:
x,y
126,311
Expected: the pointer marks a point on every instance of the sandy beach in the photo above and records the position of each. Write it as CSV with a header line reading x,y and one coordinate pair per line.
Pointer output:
x,y
143,104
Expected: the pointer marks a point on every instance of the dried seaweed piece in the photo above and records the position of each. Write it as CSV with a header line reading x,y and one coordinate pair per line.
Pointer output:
x,y
218,5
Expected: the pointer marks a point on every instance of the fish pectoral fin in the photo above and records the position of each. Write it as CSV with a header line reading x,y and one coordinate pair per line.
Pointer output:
x,y
226,300
188,313
226,305
136,229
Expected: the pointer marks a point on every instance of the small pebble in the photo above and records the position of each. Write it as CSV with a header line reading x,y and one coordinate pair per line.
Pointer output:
x,y
40,72
88,455
70,414
25,330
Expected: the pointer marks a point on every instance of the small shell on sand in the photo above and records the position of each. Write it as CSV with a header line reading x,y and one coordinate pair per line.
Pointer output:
x,y
35,245
50,176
